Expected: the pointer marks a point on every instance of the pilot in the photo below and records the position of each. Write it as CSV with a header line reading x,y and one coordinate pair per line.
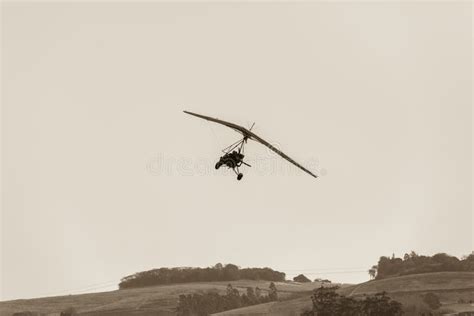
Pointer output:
x,y
237,156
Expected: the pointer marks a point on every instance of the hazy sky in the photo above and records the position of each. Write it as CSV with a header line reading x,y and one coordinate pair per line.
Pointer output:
x,y
104,176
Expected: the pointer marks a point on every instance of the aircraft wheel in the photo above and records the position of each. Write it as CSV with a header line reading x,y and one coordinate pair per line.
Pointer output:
x,y
239,176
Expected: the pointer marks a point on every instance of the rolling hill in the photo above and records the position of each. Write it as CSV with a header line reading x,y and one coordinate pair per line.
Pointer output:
x,y
437,281
155,300
450,287
455,290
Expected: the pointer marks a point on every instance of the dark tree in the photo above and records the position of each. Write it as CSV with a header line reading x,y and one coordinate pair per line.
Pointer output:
x,y
211,302
231,272
273,293
373,272
432,300
251,296
70,311
326,302
414,263
380,305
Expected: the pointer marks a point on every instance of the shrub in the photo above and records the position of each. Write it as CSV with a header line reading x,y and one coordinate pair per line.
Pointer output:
x,y
209,303
432,300
326,302
301,278
70,311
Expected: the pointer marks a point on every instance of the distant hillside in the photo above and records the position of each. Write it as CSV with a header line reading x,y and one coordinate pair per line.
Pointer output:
x,y
450,287
412,283
154,300
455,290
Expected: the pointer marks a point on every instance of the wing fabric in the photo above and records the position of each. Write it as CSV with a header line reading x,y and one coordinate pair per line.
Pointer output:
x,y
236,127
249,134
279,152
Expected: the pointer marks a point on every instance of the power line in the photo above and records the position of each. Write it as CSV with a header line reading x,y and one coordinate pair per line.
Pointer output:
x,y
324,269
337,272
107,284
82,289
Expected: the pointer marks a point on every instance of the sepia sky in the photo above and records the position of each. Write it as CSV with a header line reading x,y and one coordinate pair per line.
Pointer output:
x,y
104,176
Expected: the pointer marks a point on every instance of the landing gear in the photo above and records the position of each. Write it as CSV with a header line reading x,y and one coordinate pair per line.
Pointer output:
x,y
233,157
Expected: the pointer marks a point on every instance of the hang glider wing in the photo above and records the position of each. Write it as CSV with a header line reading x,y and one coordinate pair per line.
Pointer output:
x,y
279,152
245,132
249,134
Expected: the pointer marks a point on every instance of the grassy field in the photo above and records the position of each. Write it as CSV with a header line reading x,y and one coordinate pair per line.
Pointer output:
x,y
450,287
292,307
156,300
417,282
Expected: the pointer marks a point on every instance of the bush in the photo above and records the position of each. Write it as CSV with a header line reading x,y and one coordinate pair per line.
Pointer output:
x,y
209,303
326,302
70,311
301,278
432,300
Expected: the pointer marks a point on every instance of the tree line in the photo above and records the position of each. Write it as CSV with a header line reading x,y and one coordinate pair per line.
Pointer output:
x,y
219,272
327,302
210,303
414,263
